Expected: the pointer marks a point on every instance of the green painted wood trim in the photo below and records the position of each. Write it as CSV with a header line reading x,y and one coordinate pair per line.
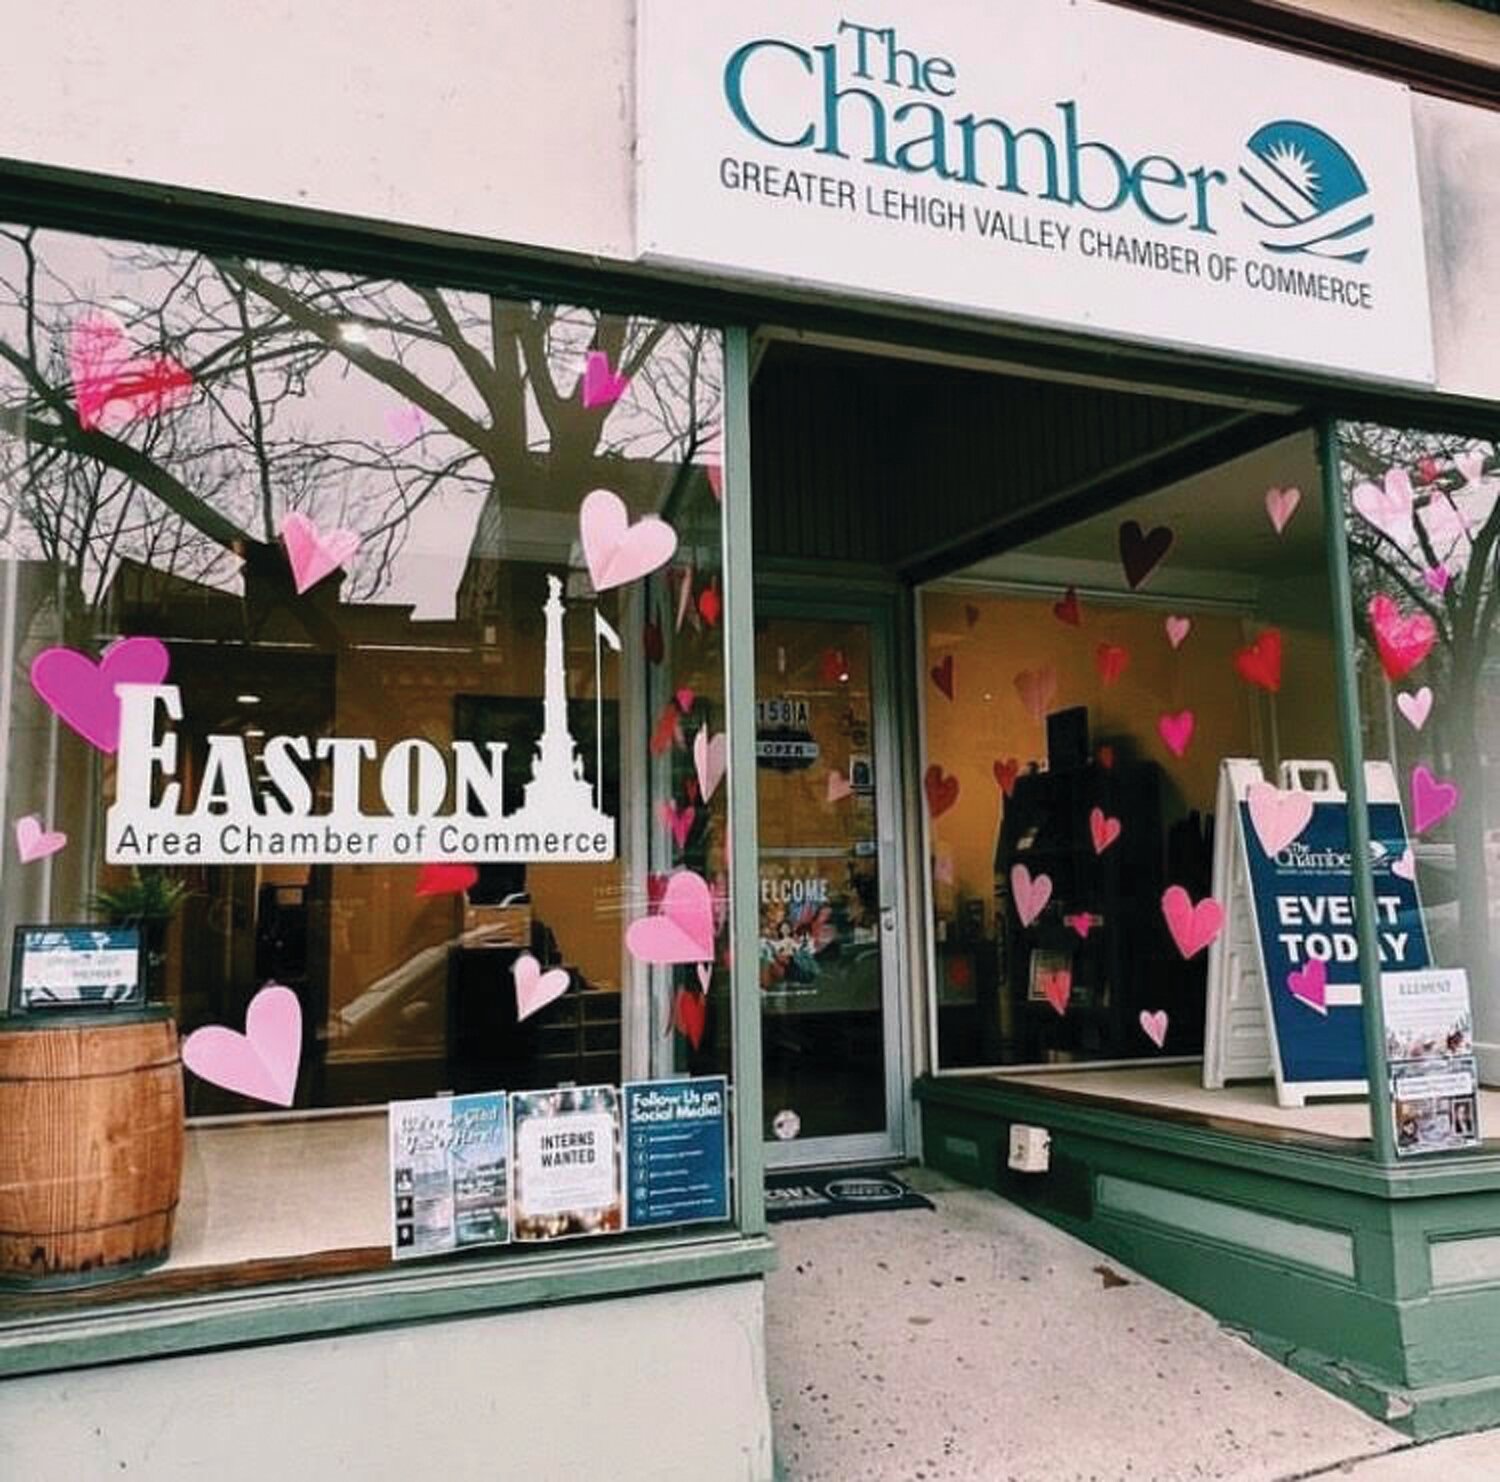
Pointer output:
x,y
418,1294
739,692
1346,691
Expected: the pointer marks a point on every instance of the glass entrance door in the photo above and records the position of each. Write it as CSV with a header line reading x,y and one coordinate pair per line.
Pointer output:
x,y
829,914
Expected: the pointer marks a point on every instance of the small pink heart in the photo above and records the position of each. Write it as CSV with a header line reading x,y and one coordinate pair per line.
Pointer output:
x,y
1389,507
84,694
679,820
1081,923
710,760
1281,505
682,931
1057,987
1154,1025
1406,866
1177,730
616,551
404,424
1471,466
313,555
715,472
1103,829
685,698
1178,628
1309,985
1277,816
260,1063
1415,707
1193,927
1437,578
705,972
601,386
1037,689
1031,895
535,989
33,842
1432,799
838,787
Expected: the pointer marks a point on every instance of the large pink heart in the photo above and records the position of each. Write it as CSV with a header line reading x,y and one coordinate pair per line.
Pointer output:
x,y
682,931
617,551
1432,799
1388,508
1031,895
311,554
260,1063
1309,984
1193,927
534,988
82,693
1278,817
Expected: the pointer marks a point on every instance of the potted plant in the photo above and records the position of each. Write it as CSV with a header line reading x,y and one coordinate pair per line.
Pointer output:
x,y
148,899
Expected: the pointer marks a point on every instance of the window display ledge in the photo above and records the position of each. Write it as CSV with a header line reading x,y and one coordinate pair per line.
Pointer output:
x,y
301,1309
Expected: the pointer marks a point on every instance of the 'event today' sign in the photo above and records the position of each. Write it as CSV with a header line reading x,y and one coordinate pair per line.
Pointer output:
x,y
1067,164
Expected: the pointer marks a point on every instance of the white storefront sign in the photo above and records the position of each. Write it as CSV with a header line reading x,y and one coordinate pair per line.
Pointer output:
x,y
1057,162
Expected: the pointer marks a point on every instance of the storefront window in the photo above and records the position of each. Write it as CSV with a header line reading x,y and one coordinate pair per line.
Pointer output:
x,y
1081,698
363,674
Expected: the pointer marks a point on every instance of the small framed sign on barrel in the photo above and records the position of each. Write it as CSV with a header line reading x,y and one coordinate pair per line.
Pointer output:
x,y
67,968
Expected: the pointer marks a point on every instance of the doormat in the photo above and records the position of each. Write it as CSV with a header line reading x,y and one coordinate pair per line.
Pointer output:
x,y
812,1193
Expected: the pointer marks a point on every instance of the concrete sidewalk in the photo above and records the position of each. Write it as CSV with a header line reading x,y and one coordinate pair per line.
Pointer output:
x,y
977,1342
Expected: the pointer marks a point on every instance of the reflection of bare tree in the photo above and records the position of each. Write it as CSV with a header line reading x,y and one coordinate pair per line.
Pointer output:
x,y
1455,527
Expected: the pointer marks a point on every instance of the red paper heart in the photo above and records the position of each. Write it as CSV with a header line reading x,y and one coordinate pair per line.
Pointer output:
x,y
1066,610
833,667
1006,773
668,729
1260,663
1103,829
689,1014
445,879
1057,987
1106,757
1142,553
942,676
1111,660
690,789
1402,641
710,604
942,791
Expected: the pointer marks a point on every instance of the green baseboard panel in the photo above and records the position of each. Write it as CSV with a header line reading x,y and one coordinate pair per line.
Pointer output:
x,y
1381,1285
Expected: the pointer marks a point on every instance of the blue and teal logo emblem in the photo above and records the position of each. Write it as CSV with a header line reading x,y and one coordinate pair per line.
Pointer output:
x,y
1300,186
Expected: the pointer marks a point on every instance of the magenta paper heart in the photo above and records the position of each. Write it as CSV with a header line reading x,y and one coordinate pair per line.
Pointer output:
x,y
1281,505
1388,508
1193,927
1057,987
1309,985
535,989
838,787
1406,866
1037,689
1081,923
1031,896
1432,799
617,551
112,388
1415,707
682,931
601,386
1103,829
260,1063
679,820
1278,817
33,842
313,555
684,698
1437,578
1177,730
1154,1026
82,693
710,761
1401,640
1178,628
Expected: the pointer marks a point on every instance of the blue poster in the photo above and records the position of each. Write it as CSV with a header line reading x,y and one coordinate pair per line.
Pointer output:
x,y
1304,911
677,1151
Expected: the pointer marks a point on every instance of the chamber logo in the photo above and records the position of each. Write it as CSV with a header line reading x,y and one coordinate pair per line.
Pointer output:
x,y
1304,191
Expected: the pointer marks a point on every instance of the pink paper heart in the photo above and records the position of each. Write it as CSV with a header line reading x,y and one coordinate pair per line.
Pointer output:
x,y
1154,1026
1415,707
1389,507
679,820
1278,817
710,760
684,698
616,551
1281,505
1057,987
260,1063
838,787
1103,829
715,472
1309,985
1444,525
33,842
1432,799
405,423
1405,867
1031,895
311,554
1037,689
1193,927
82,693
1177,730
682,931
1470,466
705,972
535,989
1081,923
1437,578
1178,628
111,387
601,386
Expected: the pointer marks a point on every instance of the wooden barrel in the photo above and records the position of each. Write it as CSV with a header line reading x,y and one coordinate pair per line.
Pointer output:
x,y
91,1135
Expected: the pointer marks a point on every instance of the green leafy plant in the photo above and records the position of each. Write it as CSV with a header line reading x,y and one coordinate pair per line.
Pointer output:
x,y
145,897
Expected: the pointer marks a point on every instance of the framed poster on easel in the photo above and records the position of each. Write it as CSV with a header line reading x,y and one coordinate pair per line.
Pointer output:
x,y
1283,978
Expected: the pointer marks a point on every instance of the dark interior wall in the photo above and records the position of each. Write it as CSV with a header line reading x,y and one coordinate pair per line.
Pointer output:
x,y
884,462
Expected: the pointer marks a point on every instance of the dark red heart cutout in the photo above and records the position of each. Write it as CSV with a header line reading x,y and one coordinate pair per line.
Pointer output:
x,y
1111,660
689,1014
652,641
1260,663
942,791
942,676
1106,757
690,789
445,879
1006,773
656,888
833,667
710,604
1066,610
1140,553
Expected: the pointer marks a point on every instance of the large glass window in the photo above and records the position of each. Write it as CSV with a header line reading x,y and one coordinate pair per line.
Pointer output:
x,y
363,663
